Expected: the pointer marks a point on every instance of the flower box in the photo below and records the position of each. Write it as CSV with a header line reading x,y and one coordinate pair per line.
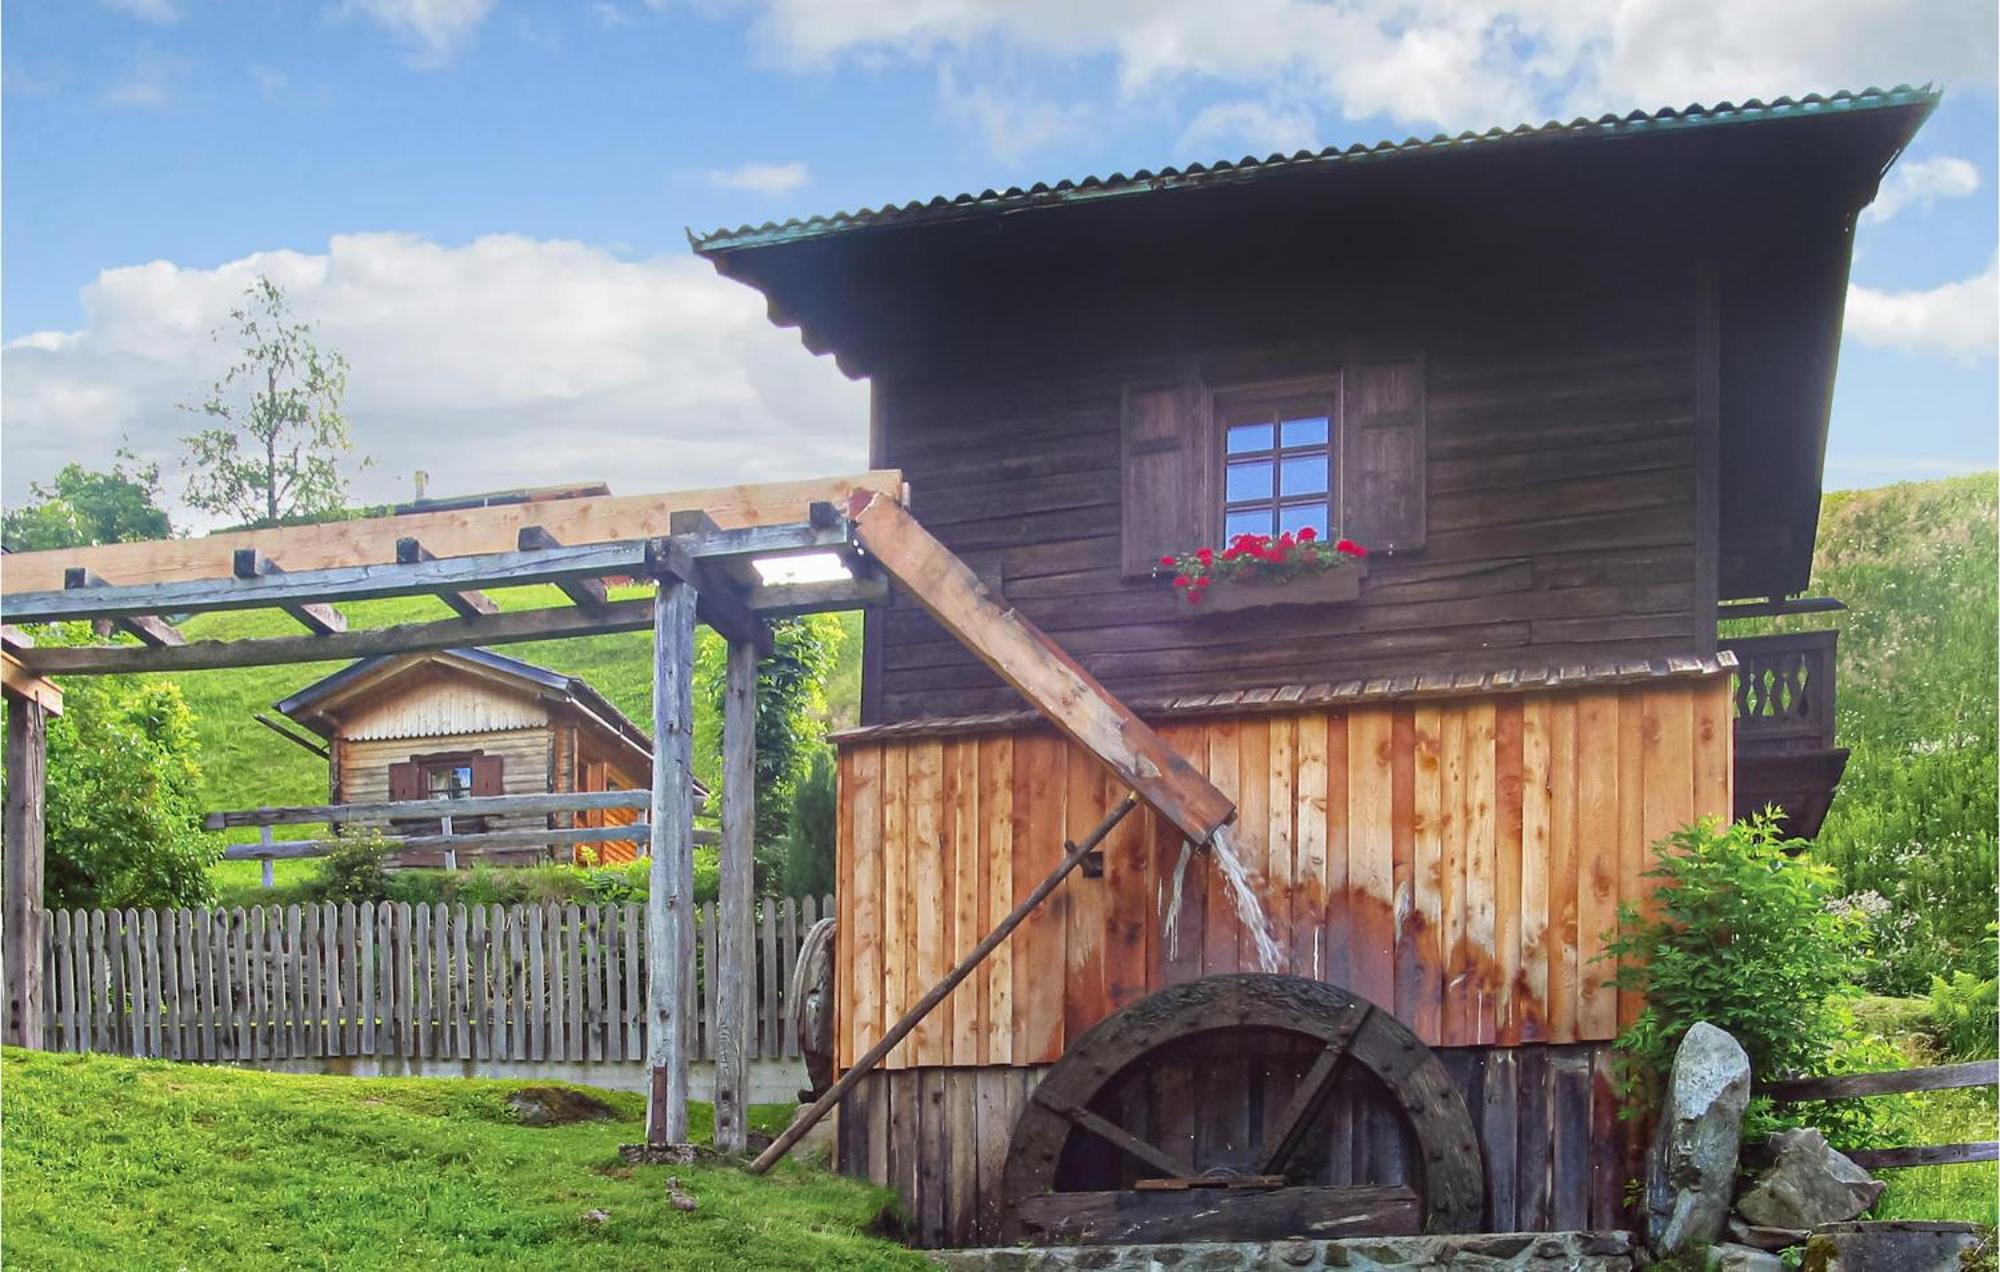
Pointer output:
x,y
1326,587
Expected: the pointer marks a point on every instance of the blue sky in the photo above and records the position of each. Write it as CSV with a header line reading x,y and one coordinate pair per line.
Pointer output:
x,y
483,202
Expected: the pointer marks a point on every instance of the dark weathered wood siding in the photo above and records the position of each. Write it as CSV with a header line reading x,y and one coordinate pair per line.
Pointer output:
x,y
1562,509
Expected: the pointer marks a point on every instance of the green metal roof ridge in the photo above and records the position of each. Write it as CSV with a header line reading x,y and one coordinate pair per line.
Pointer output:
x,y
1117,185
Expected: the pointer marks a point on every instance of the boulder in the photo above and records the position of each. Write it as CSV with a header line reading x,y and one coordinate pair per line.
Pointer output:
x,y
557,1106
1730,1257
1893,1246
1691,1165
1764,1238
1806,1185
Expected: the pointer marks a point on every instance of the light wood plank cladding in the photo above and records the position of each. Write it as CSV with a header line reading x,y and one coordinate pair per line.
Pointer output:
x,y
1458,862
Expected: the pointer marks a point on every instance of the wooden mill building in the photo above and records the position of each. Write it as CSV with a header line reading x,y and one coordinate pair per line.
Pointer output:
x,y
458,723
1570,386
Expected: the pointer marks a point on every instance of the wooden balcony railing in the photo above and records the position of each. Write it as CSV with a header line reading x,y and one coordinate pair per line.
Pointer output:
x,y
1784,692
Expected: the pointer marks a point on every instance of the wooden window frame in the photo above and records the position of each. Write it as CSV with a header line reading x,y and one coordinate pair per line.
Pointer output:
x,y
1300,397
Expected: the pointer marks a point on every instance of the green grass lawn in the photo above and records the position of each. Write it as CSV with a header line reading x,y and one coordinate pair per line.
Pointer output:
x,y
130,1164
1966,1193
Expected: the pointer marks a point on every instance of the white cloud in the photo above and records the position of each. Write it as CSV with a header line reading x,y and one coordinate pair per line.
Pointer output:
x,y
1013,120
433,27
1253,128
508,361
1961,319
762,178
1426,63
148,83
156,11
1920,183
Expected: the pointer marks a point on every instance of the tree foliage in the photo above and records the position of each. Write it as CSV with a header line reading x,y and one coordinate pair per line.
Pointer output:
x,y
276,437
810,838
791,724
124,811
82,507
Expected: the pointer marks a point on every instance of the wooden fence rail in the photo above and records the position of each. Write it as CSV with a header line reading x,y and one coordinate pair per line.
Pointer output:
x,y
482,982
1942,1077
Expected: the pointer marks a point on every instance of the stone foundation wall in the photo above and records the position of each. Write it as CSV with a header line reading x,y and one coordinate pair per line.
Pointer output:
x,y
1489,1252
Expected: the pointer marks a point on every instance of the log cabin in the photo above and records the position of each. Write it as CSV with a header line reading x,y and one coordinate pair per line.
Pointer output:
x,y
469,722
1569,385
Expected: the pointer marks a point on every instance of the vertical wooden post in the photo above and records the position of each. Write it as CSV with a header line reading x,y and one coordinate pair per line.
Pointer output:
x,y
270,868
736,975
21,951
670,900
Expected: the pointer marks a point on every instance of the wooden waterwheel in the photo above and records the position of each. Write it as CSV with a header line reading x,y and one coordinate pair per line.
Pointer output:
x,y
1246,1107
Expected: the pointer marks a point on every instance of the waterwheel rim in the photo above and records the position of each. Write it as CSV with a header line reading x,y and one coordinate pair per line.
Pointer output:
x,y
1349,1029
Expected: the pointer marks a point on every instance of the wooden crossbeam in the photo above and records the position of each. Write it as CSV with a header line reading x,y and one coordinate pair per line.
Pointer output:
x,y
466,604
586,592
18,682
475,806
718,599
321,620
296,849
449,533
629,557
149,628
293,736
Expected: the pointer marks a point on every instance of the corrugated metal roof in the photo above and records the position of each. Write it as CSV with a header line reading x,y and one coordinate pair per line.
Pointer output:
x,y
1340,693
993,202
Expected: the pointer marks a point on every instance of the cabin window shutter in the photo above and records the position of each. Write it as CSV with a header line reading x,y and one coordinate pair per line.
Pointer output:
x,y
1166,491
406,781
1382,455
486,770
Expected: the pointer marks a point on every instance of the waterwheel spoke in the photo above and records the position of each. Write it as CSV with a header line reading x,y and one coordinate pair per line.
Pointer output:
x,y
1313,1091
1115,1135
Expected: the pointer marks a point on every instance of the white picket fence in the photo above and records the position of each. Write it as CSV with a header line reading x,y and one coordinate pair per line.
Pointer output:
x,y
482,982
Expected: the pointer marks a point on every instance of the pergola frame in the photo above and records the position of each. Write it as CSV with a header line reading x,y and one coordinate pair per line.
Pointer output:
x,y
699,571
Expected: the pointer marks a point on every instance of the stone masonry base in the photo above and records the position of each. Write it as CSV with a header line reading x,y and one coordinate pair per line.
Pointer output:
x,y
1488,1252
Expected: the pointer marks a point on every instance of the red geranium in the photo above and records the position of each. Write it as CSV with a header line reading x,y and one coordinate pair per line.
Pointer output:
x,y
1278,557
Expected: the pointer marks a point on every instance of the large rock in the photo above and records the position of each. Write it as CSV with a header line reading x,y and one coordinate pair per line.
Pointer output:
x,y
1893,1246
1806,1185
1730,1257
1691,1167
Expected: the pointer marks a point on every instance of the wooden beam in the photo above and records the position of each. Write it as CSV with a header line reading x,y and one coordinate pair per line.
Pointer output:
x,y
736,944
378,579
451,533
149,628
289,735
476,806
670,899
463,841
1845,1086
784,600
861,1068
508,628
464,604
19,682
587,593
1047,677
1113,1134
1777,606
718,598
21,913
1141,1217
321,620
1925,1155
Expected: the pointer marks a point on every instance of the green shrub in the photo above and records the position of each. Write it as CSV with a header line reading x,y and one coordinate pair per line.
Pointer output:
x,y
123,813
354,871
1964,1016
809,843
1742,937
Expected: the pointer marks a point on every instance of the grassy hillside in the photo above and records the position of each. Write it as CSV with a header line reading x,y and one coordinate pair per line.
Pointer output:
x,y
148,1164
1915,815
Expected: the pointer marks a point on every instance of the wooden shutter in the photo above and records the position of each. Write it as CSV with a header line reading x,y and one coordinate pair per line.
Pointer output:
x,y
1168,501
406,781
486,775
1382,455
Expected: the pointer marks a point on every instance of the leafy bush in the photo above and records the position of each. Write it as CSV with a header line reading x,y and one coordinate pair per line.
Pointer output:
x,y
1965,1016
354,871
809,842
1742,936
123,813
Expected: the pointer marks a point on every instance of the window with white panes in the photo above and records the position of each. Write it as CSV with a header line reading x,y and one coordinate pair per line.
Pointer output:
x,y
1280,466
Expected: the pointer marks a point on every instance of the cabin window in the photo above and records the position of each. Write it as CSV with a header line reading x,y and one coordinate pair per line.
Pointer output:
x,y
1279,471
1341,453
450,780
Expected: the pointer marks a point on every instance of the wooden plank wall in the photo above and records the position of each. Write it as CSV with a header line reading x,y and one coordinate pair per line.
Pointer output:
x,y
1561,510
1457,862
1546,1119
524,983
